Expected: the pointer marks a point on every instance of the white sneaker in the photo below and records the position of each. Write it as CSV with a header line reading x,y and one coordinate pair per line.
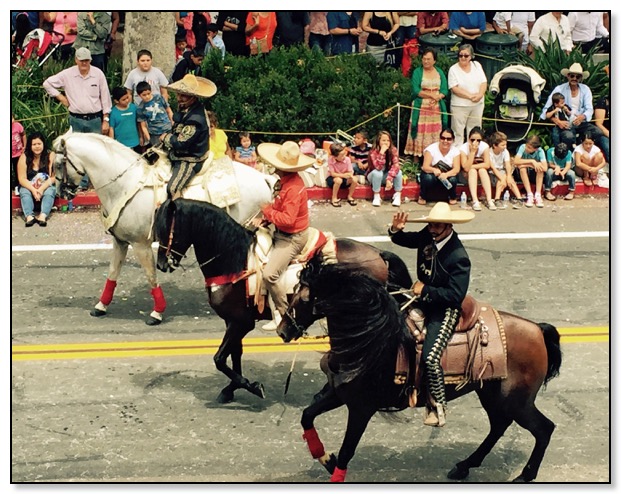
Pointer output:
x,y
538,200
476,205
396,199
491,205
377,201
272,325
529,201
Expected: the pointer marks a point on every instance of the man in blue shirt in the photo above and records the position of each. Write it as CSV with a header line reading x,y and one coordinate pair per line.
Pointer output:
x,y
468,25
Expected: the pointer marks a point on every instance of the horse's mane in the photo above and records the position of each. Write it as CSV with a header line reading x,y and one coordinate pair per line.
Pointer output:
x,y
112,146
365,324
212,232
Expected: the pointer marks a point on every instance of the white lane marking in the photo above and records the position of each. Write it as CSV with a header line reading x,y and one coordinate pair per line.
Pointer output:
x,y
370,239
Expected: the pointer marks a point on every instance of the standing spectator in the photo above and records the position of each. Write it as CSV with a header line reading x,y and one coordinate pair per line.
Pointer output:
x,y
475,164
524,21
503,24
589,160
441,163
65,23
214,40
232,23
580,100
405,33
319,33
429,115
195,24
359,155
260,29
293,28
530,166
549,27
93,30
35,172
18,142
468,25
384,169
341,174
180,21
501,172
190,63
344,31
86,96
467,82
218,140
587,30
147,73
381,27
559,168
124,119
154,114
116,20
432,22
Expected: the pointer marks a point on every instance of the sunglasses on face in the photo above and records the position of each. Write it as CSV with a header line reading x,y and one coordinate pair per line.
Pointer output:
x,y
446,138
574,76
474,139
464,55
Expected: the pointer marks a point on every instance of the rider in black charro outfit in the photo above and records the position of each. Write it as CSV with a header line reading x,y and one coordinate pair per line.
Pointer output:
x,y
443,271
188,141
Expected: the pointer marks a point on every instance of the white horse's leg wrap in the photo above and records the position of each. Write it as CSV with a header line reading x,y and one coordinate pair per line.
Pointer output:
x,y
102,307
156,315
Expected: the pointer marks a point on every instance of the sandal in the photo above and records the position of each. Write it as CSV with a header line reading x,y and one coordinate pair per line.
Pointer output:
x,y
452,202
421,201
352,202
336,204
587,181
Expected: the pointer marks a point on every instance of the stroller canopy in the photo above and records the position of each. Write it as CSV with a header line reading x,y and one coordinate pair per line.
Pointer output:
x,y
522,73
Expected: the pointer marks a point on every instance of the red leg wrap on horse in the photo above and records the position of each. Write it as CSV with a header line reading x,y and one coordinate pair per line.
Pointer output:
x,y
338,475
158,298
314,443
108,292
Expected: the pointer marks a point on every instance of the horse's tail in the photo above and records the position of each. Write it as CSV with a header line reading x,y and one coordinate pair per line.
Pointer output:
x,y
398,273
552,339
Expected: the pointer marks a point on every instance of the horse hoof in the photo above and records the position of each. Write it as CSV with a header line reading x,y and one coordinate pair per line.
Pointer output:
x,y
98,313
330,465
225,396
458,473
152,321
520,480
256,388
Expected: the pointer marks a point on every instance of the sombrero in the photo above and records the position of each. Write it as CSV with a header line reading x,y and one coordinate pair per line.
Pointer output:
x,y
442,213
576,68
285,157
194,86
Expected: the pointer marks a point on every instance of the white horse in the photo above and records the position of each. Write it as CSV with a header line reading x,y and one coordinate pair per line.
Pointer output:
x,y
128,192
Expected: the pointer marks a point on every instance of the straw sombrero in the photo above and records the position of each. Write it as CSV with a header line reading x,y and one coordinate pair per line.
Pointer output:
x,y
442,213
576,68
285,157
194,86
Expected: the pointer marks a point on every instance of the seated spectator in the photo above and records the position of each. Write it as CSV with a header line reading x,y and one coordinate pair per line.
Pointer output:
x,y
559,168
384,169
550,27
340,174
531,165
214,40
601,119
246,153
218,140
587,30
124,119
475,163
359,155
293,28
559,112
232,23
35,173
432,22
468,25
190,63
18,143
589,160
502,25
501,172
441,165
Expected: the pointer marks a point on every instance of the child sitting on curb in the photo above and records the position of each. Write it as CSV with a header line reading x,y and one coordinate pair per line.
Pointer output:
x,y
341,174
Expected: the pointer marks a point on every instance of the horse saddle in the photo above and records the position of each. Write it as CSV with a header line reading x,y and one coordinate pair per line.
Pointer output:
x,y
477,351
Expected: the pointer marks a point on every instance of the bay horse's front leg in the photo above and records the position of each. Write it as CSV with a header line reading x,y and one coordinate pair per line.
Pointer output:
x,y
232,346
119,253
144,253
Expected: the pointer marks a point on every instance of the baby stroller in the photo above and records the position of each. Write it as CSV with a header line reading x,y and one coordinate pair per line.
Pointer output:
x,y
516,90
39,43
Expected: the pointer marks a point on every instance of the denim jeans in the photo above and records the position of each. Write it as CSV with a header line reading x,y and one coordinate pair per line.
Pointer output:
x,y
550,177
28,202
321,41
377,179
428,181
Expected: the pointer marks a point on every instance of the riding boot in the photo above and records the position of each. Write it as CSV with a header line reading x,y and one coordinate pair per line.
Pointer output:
x,y
276,317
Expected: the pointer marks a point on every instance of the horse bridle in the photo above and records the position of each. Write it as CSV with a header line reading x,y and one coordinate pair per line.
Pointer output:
x,y
291,318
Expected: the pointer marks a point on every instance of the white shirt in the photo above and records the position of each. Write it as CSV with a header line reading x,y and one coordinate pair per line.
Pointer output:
x,y
521,20
546,27
470,81
436,154
581,150
501,18
465,148
586,26
499,160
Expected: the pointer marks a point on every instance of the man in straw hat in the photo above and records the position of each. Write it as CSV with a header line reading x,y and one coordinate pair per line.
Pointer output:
x,y
188,141
443,271
289,214
580,99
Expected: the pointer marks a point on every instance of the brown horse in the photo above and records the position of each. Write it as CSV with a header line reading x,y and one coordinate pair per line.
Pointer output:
x,y
221,246
366,327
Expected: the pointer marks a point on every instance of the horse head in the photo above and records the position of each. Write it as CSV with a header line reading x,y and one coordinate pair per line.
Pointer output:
x,y
67,175
172,248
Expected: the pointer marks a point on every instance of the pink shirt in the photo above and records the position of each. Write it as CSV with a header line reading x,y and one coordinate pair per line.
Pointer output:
x,y
88,94
17,143
319,23
64,22
344,166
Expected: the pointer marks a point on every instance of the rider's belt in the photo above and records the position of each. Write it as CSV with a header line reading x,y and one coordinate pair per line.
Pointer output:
x,y
87,116
286,234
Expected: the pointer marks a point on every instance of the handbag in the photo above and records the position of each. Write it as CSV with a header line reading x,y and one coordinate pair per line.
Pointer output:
x,y
444,167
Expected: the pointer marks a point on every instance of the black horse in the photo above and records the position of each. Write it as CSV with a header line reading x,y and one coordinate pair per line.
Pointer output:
x,y
221,246
366,327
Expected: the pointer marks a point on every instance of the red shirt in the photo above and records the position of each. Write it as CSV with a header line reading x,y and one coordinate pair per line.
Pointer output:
x,y
289,211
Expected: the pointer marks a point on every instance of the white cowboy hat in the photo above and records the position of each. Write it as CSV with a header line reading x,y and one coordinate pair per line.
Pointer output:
x,y
575,68
194,86
285,157
442,213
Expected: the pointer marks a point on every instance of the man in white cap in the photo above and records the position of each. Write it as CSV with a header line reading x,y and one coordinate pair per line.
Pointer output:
x,y
289,214
188,141
443,271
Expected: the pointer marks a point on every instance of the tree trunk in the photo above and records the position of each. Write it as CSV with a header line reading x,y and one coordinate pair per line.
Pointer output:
x,y
153,31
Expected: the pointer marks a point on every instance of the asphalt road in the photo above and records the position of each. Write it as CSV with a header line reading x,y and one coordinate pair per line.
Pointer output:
x,y
109,416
